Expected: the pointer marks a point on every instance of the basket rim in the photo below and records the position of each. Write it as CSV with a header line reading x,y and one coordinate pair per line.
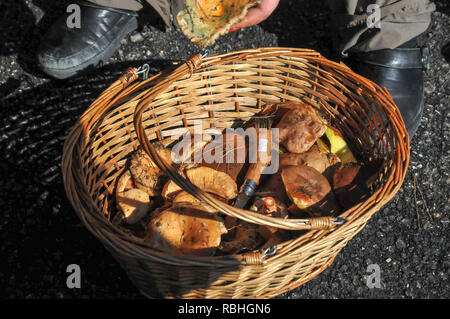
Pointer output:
x,y
104,229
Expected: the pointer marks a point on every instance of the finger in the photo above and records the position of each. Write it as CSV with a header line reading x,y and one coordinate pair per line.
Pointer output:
x,y
258,13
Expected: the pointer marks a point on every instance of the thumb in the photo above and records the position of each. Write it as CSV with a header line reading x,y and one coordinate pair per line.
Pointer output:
x,y
258,13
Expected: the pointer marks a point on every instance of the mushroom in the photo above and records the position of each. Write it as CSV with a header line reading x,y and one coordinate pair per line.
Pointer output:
x,y
207,179
184,199
125,182
147,176
246,238
299,128
309,190
204,21
272,207
170,190
269,206
187,231
231,160
338,145
273,186
134,203
351,181
213,181
314,158
189,150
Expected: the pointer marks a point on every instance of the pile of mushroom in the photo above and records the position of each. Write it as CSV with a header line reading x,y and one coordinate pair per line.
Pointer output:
x,y
184,224
318,176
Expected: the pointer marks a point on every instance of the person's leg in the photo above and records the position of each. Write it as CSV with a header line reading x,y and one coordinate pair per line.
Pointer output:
x,y
400,21
132,5
165,8
386,50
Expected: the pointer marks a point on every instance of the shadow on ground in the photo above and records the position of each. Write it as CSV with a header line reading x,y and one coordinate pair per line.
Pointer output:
x,y
32,134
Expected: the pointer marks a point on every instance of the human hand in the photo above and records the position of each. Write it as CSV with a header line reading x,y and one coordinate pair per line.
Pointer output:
x,y
258,13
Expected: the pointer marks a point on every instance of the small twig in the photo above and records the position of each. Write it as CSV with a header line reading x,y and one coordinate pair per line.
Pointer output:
x,y
415,199
425,204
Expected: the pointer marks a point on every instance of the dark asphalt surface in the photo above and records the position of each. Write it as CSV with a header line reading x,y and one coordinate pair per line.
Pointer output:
x,y
40,233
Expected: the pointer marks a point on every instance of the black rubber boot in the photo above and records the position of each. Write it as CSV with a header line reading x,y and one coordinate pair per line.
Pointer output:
x,y
66,51
401,71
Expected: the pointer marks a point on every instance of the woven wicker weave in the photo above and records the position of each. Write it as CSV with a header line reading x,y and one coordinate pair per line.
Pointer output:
x,y
219,90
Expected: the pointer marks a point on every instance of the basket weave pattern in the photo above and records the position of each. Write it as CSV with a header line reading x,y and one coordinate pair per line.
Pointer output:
x,y
218,91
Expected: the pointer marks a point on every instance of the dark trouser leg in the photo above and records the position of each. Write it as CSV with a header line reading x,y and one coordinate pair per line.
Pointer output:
x,y
167,9
133,5
384,49
400,21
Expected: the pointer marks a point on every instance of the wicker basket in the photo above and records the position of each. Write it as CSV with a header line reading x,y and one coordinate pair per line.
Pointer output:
x,y
219,90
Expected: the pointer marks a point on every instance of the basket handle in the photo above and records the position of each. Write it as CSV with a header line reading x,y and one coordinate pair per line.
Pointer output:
x,y
187,69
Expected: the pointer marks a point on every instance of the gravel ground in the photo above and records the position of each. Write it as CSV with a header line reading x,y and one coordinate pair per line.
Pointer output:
x,y
41,234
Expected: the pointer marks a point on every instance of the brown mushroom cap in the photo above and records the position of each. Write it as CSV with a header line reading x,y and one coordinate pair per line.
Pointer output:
x,y
134,203
189,150
207,179
309,190
145,173
273,186
349,184
213,181
279,110
272,207
185,199
299,128
232,157
187,231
